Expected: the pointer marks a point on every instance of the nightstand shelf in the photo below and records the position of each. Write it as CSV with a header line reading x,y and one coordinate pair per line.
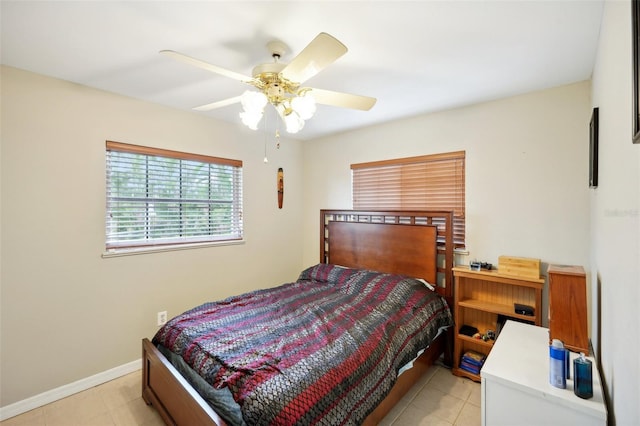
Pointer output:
x,y
481,297
480,342
495,308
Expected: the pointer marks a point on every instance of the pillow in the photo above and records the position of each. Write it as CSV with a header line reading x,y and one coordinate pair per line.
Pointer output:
x,y
431,287
327,273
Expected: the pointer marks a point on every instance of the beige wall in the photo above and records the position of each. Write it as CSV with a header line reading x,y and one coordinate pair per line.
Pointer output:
x,y
526,172
66,312
615,218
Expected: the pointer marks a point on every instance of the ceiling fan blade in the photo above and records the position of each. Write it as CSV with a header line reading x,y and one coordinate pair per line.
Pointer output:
x,y
321,52
344,100
218,104
204,65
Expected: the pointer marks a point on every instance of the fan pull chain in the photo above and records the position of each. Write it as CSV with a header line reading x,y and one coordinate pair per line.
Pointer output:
x,y
266,160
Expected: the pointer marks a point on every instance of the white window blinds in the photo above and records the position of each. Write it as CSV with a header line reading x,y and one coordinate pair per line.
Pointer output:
x,y
160,197
430,182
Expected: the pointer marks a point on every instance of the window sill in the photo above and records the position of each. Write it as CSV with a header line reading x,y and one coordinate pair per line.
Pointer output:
x,y
160,249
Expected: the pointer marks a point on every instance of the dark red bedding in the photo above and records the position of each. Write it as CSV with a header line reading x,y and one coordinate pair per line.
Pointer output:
x,y
323,350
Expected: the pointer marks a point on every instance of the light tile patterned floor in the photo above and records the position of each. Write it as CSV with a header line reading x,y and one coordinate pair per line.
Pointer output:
x,y
439,399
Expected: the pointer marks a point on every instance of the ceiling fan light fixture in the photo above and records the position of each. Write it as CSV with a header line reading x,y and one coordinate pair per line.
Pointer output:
x,y
292,120
253,101
251,119
253,104
293,110
304,104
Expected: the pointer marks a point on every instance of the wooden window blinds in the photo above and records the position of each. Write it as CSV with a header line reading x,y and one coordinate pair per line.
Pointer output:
x,y
429,182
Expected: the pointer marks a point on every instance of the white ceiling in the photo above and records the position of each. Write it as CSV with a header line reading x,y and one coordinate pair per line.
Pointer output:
x,y
413,56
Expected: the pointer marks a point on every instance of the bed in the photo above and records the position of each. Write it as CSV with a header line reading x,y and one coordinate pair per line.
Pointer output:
x,y
366,304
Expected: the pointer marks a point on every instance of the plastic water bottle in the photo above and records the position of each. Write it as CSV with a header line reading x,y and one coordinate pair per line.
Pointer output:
x,y
557,366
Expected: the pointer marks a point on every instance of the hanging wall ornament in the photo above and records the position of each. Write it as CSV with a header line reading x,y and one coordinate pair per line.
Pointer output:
x,y
280,187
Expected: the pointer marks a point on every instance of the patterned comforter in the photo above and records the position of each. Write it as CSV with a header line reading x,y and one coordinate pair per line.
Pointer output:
x,y
323,350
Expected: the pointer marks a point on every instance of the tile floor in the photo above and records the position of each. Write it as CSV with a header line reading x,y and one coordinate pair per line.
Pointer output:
x,y
439,399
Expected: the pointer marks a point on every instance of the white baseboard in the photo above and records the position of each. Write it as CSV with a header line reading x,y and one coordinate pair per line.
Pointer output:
x,y
68,390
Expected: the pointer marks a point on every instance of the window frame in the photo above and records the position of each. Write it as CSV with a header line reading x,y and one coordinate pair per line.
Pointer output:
x,y
182,241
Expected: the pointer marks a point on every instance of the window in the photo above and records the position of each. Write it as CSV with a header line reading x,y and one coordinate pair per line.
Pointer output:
x,y
430,182
158,197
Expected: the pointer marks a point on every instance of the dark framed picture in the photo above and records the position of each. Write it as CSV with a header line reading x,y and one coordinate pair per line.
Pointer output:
x,y
635,22
593,149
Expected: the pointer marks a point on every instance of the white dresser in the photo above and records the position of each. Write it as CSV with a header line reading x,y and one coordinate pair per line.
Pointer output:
x,y
516,388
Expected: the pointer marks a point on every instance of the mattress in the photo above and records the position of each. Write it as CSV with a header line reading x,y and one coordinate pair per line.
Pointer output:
x,y
325,349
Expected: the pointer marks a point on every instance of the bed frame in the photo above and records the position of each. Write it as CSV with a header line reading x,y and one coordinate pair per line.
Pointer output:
x,y
386,241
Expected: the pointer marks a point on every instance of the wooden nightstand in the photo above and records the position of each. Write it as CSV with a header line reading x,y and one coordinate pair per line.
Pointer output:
x,y
480,297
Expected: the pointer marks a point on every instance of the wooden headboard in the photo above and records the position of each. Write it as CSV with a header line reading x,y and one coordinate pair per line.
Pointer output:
x,y
398,249
414,243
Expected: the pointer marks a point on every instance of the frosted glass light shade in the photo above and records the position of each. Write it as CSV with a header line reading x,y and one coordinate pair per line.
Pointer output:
x,y
293,122
304,105
291,119
251,119
253,101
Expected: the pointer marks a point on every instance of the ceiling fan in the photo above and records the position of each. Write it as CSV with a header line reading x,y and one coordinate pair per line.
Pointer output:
x,y
280,84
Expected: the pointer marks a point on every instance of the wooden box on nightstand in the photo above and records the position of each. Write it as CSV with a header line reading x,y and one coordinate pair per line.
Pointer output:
x,y
568,307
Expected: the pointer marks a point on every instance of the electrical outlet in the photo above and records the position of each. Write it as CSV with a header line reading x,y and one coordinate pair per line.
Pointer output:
x,y
162,318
